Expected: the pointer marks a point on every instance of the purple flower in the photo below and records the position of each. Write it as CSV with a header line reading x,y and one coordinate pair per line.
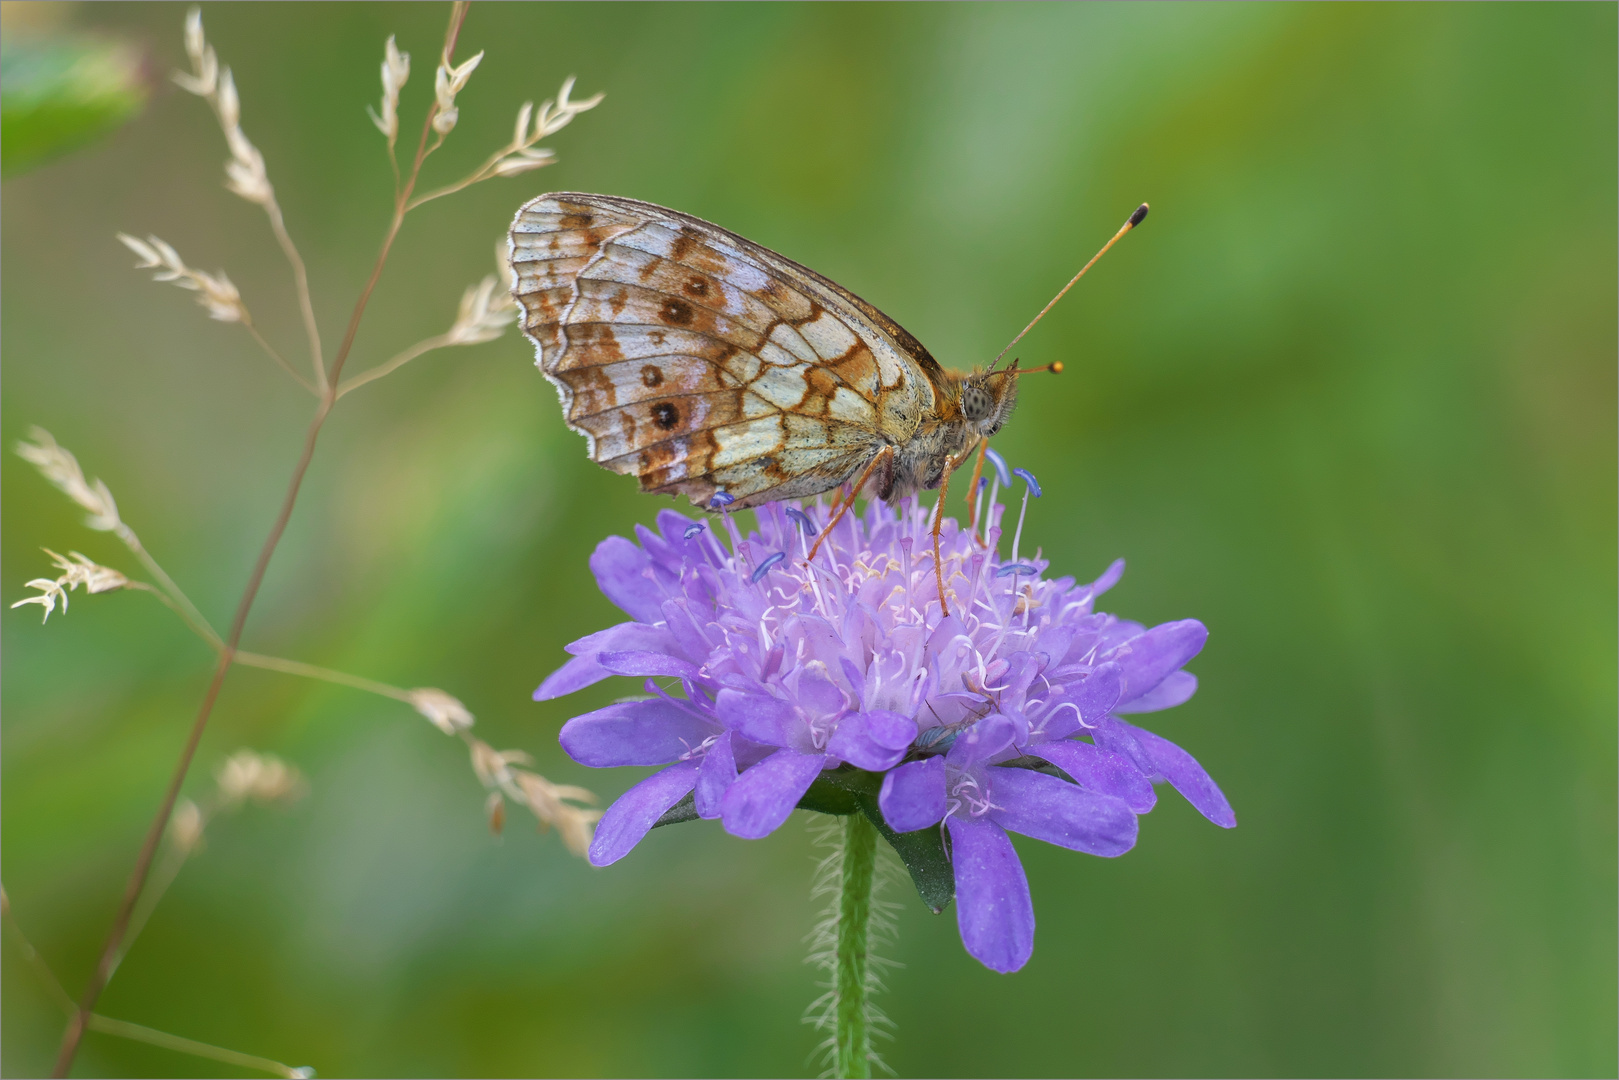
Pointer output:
x,y
767,676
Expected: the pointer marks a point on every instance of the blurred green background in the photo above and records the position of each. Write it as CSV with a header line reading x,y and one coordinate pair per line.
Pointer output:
x,y
1348,397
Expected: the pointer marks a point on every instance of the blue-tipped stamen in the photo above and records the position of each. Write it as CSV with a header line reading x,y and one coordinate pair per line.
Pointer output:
x,y
693,529
1017,568
764,567
721,500
801,518
1028,478
1001,471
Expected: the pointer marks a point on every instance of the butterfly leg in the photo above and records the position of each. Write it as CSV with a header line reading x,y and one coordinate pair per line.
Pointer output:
x,y
972,489
885,457
938,520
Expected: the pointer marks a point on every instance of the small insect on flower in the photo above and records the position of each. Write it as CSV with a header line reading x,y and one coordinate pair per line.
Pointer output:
x,y
770,679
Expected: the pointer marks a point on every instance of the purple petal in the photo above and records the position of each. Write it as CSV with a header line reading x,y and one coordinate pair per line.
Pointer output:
x,y
1148,658
652,732
715,777
1082,702
621,573
1185,774
817,694
1118,737
647,663
1101,771
578,673
1174,690
584,670
984,739
637,810
760,717
762,797
673,526
993,908
913,795
625,637
1060,813
876,740
1110,577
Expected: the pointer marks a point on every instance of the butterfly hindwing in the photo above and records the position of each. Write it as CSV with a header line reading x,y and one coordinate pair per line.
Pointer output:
x,y
701,362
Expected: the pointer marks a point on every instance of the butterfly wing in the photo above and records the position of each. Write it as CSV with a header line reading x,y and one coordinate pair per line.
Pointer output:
x,y
702,362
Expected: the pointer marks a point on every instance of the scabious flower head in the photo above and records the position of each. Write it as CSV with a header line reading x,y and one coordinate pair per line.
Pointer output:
x,y
764,670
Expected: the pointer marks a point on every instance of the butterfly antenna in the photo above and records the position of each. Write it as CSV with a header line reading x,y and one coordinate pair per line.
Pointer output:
x,y
1135,219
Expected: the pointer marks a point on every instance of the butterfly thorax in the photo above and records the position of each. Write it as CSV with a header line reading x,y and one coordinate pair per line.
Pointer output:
x,y
968,407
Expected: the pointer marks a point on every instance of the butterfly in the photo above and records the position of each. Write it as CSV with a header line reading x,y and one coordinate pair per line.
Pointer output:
x,y
712,367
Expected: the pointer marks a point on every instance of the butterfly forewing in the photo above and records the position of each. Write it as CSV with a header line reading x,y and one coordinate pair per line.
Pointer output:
x,y
704,363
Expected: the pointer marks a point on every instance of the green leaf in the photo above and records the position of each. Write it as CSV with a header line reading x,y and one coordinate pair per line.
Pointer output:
x,y
684,810
921,851
59,93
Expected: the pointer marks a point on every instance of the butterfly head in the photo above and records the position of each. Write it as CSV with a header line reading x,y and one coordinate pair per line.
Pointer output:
x,y
988,397
987,400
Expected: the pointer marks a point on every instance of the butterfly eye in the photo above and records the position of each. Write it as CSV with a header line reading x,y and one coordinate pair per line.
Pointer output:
x,y
976,403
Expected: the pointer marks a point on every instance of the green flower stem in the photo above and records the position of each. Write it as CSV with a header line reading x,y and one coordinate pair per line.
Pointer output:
x,y
852,1053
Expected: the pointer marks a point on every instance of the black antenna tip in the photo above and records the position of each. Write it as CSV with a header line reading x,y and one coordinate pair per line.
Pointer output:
x,y
1139,216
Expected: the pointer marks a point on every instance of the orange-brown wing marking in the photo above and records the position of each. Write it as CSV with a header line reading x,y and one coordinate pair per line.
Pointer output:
x,y
701,362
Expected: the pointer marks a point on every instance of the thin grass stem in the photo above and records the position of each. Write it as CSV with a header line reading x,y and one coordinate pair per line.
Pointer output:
x,y
31,954
106,1025
388,367
310,671
175,596
300,279
74,1034
281,360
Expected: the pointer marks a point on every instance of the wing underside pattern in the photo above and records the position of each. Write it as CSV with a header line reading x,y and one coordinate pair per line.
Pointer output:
x,y
703,363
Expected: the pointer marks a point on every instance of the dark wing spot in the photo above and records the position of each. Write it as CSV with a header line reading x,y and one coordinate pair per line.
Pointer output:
x,y
656,337
685,240
652,375
676,312
575,221
696,287
665,415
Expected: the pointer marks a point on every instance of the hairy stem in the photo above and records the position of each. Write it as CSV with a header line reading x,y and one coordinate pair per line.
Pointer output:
x,y
74,1034
852,1049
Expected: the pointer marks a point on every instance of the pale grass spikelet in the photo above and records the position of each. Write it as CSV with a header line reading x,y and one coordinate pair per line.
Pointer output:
x,y
77,569
520,155
186,826
395,70
444,710
484,314
245,173
61,468
263,778
215,292
204,79
551,804
447,83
